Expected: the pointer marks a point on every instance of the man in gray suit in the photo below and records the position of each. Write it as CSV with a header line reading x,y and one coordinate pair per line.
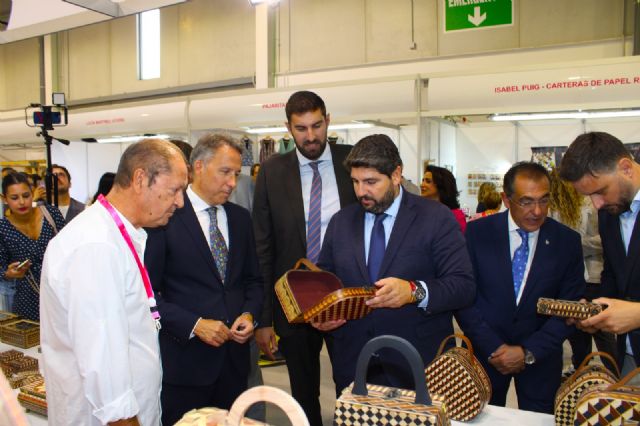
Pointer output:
x,y
69,207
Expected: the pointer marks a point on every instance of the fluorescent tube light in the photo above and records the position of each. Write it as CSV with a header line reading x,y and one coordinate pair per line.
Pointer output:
x,y
257,2
282,129
566,115
135,138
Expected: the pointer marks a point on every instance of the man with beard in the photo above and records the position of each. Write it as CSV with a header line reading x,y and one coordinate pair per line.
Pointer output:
x,y
295,196
69,207
519,256
411,249
599,166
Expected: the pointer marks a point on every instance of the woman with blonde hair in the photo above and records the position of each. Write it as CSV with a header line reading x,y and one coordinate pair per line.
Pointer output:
x,y
493,204
484,189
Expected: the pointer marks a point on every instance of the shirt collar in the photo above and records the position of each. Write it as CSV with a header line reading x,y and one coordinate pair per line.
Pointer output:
x,y
137,234
326,156
198,203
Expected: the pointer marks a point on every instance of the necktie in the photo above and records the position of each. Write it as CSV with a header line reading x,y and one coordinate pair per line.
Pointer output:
x,y
314,224
218,245
519,263
376,248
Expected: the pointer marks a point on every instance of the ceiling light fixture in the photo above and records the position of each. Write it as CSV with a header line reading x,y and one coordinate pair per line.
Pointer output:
x,y
566,115
281,129
134,138
257,2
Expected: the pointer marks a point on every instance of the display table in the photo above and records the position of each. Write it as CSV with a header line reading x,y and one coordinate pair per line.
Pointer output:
x,y
491,416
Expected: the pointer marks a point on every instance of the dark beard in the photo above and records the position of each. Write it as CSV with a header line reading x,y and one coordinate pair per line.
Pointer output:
x,y
382,205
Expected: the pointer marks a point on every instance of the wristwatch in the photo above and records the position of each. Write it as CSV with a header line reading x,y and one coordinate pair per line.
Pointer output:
x,y
417,292
529,359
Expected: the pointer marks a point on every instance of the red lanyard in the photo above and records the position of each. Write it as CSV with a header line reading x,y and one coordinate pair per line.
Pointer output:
x,y
153,307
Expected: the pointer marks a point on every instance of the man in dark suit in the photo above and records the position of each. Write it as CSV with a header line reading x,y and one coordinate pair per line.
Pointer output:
x,y
286,195
519,256
599,166
411,249
205,271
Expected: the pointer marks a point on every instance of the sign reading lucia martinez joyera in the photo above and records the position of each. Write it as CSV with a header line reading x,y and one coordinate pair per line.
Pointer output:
x,y
472,14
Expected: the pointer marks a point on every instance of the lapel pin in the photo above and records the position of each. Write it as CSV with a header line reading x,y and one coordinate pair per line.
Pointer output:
x,y
546,242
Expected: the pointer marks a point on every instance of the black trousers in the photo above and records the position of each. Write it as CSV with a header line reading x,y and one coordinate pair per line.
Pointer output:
x,y
301,350
176,400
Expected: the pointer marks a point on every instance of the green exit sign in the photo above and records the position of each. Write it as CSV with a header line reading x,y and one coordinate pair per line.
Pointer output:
x,y
470,14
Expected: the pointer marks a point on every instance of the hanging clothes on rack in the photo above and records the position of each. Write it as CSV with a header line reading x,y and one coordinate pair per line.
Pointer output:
x,y
267,148
286,144
247,153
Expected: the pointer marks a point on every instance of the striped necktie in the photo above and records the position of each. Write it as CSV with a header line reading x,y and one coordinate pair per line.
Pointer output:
x,y
314,224
217,244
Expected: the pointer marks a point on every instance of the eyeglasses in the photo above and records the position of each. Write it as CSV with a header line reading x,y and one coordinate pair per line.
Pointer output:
x,y
529,204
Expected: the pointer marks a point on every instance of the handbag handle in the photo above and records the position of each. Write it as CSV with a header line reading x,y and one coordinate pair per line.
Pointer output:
x,y
585,361
275,396
407,350
624,380
306,262
462,337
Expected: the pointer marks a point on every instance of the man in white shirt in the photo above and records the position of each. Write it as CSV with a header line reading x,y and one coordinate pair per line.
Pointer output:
x,y
99,339
599,166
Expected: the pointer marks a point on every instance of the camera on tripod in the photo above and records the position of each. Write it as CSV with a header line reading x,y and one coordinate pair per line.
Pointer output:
x,y
47,116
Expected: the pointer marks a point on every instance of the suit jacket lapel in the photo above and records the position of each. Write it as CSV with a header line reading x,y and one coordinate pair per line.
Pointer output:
x,y
345,186
293,187
503,253
358,238
541,257
190,221
406,216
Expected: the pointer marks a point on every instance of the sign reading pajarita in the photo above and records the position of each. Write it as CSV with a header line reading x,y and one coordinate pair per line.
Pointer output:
x,y
471,14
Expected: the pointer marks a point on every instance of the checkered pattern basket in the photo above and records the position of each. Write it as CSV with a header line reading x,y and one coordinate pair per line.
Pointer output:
x,y
460,379
367,404
586,377
609,404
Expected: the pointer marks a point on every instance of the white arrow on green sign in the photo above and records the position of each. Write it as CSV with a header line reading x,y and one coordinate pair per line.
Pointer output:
x,y
470,14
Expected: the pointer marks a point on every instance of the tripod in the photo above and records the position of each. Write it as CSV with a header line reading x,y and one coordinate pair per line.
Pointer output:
x,y
50,180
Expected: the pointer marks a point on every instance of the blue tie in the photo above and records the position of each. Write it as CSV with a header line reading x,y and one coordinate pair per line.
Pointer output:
x,y
314,224
218,245
376,248
519,263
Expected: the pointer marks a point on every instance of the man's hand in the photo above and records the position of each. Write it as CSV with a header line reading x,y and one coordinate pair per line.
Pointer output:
x,y
13,272
328,325
242,328
620,317
391,293
212,332
508,359
133,421
266,340
40,194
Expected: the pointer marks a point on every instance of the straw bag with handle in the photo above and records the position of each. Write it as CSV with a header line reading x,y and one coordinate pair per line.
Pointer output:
x,y
235,416
609,404
366,404
314,295
460,379
585,378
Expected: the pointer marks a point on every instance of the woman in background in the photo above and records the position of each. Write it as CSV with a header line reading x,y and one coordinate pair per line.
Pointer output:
x,y
493,204
484,189
104,185
24,236
439,184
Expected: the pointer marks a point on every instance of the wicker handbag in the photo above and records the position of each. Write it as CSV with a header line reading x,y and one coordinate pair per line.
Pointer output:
x,y
585,377
460,379
567,308
235,416
316,295
366,404
609,404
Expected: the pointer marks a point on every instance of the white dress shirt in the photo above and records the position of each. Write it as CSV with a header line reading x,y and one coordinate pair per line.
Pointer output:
x,y
100,349
330,195
514,242
200,206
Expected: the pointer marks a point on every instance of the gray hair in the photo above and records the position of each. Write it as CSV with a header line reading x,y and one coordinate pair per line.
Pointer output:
x,y
209,144
151,155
